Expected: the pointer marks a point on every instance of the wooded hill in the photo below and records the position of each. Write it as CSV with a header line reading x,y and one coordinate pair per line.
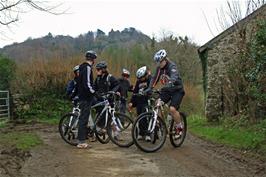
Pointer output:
x,y
61,46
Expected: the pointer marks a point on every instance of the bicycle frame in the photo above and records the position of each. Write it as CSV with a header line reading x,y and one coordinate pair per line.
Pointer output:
x,y
108,109
153,121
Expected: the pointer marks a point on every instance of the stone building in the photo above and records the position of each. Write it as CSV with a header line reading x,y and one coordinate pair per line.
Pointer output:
x,y
217,56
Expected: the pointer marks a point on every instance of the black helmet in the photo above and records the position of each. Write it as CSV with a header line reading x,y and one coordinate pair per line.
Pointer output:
x,y
90,55
101,65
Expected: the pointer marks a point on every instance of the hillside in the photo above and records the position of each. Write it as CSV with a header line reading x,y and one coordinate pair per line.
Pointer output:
x,y
61,46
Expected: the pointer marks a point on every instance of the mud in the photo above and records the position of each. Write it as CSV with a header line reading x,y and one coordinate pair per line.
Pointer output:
x,y
196,157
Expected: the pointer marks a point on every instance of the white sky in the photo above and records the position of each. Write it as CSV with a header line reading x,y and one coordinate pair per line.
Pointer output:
x,y
182,17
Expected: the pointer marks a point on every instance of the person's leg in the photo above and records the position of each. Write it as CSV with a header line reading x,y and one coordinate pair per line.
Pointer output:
x,y
85,107
174,106
123,106
141,108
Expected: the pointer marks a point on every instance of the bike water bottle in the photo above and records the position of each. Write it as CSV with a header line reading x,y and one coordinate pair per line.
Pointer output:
x,y
169,119
90,122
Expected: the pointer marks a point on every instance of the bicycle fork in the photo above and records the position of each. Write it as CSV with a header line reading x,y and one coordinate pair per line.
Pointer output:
x,y
153,121
116,122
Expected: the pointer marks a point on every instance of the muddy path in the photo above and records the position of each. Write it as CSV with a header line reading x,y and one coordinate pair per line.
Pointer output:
x,y
195,158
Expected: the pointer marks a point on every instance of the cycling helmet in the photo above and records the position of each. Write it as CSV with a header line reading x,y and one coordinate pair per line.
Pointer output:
x,y
90,55
101,65
125,72
160,55
76,68
141,72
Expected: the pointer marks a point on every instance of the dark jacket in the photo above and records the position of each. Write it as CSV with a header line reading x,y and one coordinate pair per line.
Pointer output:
x,y
106,83
169,76
140,86
85,82
124,87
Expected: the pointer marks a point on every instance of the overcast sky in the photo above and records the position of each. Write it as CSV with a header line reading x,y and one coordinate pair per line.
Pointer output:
x,y
152,17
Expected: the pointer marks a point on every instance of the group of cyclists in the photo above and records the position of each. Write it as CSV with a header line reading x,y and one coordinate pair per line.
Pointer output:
x,y
87,91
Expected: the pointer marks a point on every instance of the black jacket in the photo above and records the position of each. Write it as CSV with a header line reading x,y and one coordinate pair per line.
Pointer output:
x,y
85,82
140,86
106,83
169,76
124,87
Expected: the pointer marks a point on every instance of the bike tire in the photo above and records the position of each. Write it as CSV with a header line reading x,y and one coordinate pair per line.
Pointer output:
x,y
101,133
68,134
125,138
160,128
177,142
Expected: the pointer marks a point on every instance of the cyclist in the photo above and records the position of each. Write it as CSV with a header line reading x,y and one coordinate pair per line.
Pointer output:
x,y
139,99
72,90
104,82
85,93
173,89
124,88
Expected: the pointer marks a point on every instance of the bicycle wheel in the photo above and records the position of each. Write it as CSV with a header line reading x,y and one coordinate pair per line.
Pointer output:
x,y
120,132
101,132
177,137
145,140
68,128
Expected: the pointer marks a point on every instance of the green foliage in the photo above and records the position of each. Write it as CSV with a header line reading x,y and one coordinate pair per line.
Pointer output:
x,y
248,73
242,136
44,107
256,74
24,141
3,123
7,71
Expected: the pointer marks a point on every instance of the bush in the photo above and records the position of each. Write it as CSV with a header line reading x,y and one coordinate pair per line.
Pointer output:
x,y
7,72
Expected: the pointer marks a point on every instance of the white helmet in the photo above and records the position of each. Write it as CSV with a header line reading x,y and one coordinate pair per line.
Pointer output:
x,y
160,55
141,72
125,72
76,68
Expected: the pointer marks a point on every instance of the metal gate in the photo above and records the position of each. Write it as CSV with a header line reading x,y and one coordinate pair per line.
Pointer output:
x,y
4,105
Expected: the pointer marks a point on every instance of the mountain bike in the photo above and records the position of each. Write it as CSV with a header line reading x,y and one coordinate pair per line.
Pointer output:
x,y
157,129
117,126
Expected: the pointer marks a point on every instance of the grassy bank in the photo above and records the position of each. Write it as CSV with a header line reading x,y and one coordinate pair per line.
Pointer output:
x,y
246,137
20,140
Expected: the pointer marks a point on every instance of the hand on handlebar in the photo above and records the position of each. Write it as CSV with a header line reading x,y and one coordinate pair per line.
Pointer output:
x,y
130,105
147,92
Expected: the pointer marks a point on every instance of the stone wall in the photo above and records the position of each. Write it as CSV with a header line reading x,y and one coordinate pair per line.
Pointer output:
x,y
220,96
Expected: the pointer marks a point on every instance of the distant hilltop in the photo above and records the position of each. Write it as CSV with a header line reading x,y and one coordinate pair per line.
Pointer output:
x,y
61,46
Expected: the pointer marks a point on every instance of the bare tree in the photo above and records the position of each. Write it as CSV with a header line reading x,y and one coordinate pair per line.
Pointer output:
x,y
235,11
10,10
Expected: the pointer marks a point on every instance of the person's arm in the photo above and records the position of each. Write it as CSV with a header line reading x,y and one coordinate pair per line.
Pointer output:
x,y
155,78
175,79
87,80
134,97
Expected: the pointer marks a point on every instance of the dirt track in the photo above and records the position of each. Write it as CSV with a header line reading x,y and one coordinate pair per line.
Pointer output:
x,y
195,158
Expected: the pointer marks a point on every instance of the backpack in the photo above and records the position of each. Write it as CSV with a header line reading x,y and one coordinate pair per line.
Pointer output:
x,y
70,87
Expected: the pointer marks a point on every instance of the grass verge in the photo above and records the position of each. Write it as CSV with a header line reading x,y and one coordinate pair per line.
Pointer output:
x,y
251,137
20,140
